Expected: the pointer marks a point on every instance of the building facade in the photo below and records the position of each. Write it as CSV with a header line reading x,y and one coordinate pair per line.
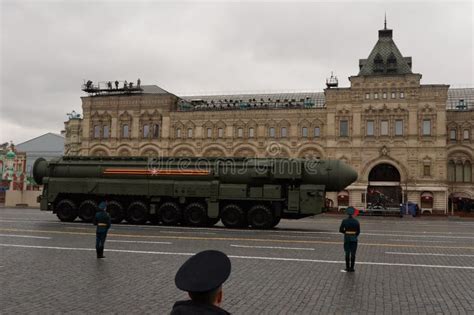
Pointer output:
x,y
47,146
12,170
408,141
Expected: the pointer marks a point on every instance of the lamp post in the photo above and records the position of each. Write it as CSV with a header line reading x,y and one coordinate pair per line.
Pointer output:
x,y
406,196
406,193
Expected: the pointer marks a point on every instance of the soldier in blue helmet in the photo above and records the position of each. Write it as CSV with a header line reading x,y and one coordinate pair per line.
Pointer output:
x,y
350,227
202,277
102,220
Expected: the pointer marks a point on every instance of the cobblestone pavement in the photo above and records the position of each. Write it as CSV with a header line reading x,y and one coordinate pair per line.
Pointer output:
x,y
404,266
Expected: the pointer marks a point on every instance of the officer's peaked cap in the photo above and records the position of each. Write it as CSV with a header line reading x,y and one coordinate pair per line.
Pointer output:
x,y
203,272
350,210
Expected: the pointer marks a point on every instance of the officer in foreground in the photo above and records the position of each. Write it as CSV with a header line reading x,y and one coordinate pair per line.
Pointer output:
x,y
202,277
351,229
102,220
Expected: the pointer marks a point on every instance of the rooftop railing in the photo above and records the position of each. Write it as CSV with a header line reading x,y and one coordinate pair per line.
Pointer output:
x,y
460,105
243,105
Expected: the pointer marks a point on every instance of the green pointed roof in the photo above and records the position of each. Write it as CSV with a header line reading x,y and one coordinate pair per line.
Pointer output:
x,y
385,58
11,154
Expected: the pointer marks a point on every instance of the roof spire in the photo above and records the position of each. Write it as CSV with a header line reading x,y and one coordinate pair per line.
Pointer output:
x,y
385,22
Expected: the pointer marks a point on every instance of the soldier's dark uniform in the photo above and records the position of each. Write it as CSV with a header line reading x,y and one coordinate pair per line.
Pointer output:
x,y
350,227
203,273
190,307
102,220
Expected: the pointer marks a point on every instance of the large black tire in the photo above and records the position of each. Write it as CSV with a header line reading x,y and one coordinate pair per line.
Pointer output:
x,y
170,213
195,214
66,210
232,216
116,211
87,210
137,213
260,217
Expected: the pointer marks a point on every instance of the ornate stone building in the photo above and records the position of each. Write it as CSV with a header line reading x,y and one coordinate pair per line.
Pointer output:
x,y
408,141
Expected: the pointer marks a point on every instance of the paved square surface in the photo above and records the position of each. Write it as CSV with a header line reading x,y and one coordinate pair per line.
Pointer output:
x,y
404,266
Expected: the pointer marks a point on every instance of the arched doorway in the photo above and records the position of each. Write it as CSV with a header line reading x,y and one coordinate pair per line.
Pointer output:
x,y
426,199
342,200
460,201
384,190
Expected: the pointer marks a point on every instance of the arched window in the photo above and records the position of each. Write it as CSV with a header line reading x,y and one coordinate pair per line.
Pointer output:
x,y
384,172
465,134
451,171
251,133
370,128
452,134
426,200
304,132
146,131
178,133
125,133
156,130
190,132
271,132
378,63
106,131
96,132
426,129
283,132
343,128
391,63
317,132
343,199
467,172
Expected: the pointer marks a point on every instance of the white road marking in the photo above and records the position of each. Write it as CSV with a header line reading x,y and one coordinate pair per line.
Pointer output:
x,y
395,221
194,232
245,257
423,232
122,228
283,232
246,231
272,247
25,236
421,236
299,236
23,220
93,249
429,254
140,242
80,228
421,241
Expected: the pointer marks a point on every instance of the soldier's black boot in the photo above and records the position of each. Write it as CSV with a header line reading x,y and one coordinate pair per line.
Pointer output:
x,y
348,268
97,250
101,253
353,259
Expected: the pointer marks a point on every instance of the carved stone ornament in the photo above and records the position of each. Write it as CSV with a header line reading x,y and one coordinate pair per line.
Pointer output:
x,y
384,151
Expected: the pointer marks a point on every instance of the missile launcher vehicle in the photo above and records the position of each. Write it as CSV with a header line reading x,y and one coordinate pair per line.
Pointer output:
x,y
241,192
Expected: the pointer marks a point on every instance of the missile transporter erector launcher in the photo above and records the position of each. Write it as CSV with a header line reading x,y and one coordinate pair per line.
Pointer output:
x,y
240,192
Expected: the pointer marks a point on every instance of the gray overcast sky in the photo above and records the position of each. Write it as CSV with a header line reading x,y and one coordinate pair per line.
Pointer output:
x,y
49,47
